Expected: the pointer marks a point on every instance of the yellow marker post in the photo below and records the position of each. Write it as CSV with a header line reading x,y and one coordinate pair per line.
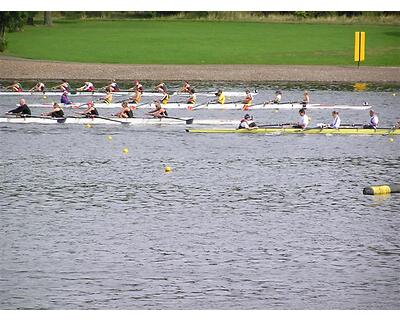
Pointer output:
x,y
359,47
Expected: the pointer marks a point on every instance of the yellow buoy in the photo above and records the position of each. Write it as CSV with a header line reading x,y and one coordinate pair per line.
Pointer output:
x,y
44,97
276,110
394,94
88,125
391,139
125,150
167,169
109,138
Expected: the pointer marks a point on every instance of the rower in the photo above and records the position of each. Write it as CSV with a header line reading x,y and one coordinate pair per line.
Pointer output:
x,y
22,109
221,97
247,122
248,99
373,121
87,87
38,87
278,97
161,88
306,99
112,86
126,111
158,112
192,98
57,111
303,121
108,98
15,87
165,98
64,86
64,98
90,111
186,87
336,120
136,97
136,86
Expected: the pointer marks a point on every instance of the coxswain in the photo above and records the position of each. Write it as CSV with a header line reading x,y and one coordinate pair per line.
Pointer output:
x,y
165,98
192,98
161,88
126,111
22,109
306,99
373,121
137,96
186,87
278,97
87,87
108,98
247,122
336,120
248,99
57,111
15,87
64,98
303,121
158,112
220,97
64,86
90,111
38,87
136,86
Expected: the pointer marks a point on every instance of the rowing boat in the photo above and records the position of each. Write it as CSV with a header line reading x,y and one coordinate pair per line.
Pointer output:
x,y
100,94
114,120
213,106
281,130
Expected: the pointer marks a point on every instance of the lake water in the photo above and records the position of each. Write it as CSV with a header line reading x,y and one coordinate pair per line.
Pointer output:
x,y
241,222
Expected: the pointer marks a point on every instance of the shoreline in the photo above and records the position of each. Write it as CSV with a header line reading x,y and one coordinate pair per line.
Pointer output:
x,y
25,69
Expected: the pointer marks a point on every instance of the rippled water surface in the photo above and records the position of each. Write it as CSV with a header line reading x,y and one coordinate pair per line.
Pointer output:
x,y
241,222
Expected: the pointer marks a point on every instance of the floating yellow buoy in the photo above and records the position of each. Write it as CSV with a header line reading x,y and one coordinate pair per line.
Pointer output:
x,y
109,138
276,110
125,150
394,94
391,139
88,125
167,169
44,97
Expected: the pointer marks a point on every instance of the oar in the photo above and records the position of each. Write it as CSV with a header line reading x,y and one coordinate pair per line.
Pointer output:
x,y
188,121
274,125
59,120
200,106
352,125
113,120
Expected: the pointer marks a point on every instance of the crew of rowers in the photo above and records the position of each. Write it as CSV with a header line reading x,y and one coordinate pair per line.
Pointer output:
x,y
247,122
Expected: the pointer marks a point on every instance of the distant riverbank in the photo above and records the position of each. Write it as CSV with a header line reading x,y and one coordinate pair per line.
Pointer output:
x,y
23,69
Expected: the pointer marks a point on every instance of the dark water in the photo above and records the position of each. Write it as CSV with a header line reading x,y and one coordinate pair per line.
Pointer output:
x,y
241,222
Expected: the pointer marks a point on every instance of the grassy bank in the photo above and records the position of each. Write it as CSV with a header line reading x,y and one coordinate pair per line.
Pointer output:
x,y
205,42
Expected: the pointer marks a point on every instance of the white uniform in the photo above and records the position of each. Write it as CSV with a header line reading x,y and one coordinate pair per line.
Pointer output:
x,y
278,98
304,120
335,123
374,120
88,86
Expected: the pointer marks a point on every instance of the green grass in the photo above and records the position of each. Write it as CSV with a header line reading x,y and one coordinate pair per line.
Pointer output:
x,y
204,42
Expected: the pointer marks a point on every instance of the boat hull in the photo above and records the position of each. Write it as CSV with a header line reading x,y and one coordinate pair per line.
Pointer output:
x,y
280,130
213,106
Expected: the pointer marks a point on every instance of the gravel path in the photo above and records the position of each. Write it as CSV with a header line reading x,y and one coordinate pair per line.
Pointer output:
x,y
23,69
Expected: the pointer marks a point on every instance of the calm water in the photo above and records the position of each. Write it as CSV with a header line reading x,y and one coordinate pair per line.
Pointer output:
x,y
241,222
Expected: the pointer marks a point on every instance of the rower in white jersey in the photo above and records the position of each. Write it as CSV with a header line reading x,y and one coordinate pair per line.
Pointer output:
x,y
335,121
278,97
186,87
303,121
113,86
161,87
38,87
136,86
64,86
87,87
247,122
373,121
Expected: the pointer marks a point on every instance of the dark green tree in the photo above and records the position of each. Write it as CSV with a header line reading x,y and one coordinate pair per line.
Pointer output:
x,y
10,21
